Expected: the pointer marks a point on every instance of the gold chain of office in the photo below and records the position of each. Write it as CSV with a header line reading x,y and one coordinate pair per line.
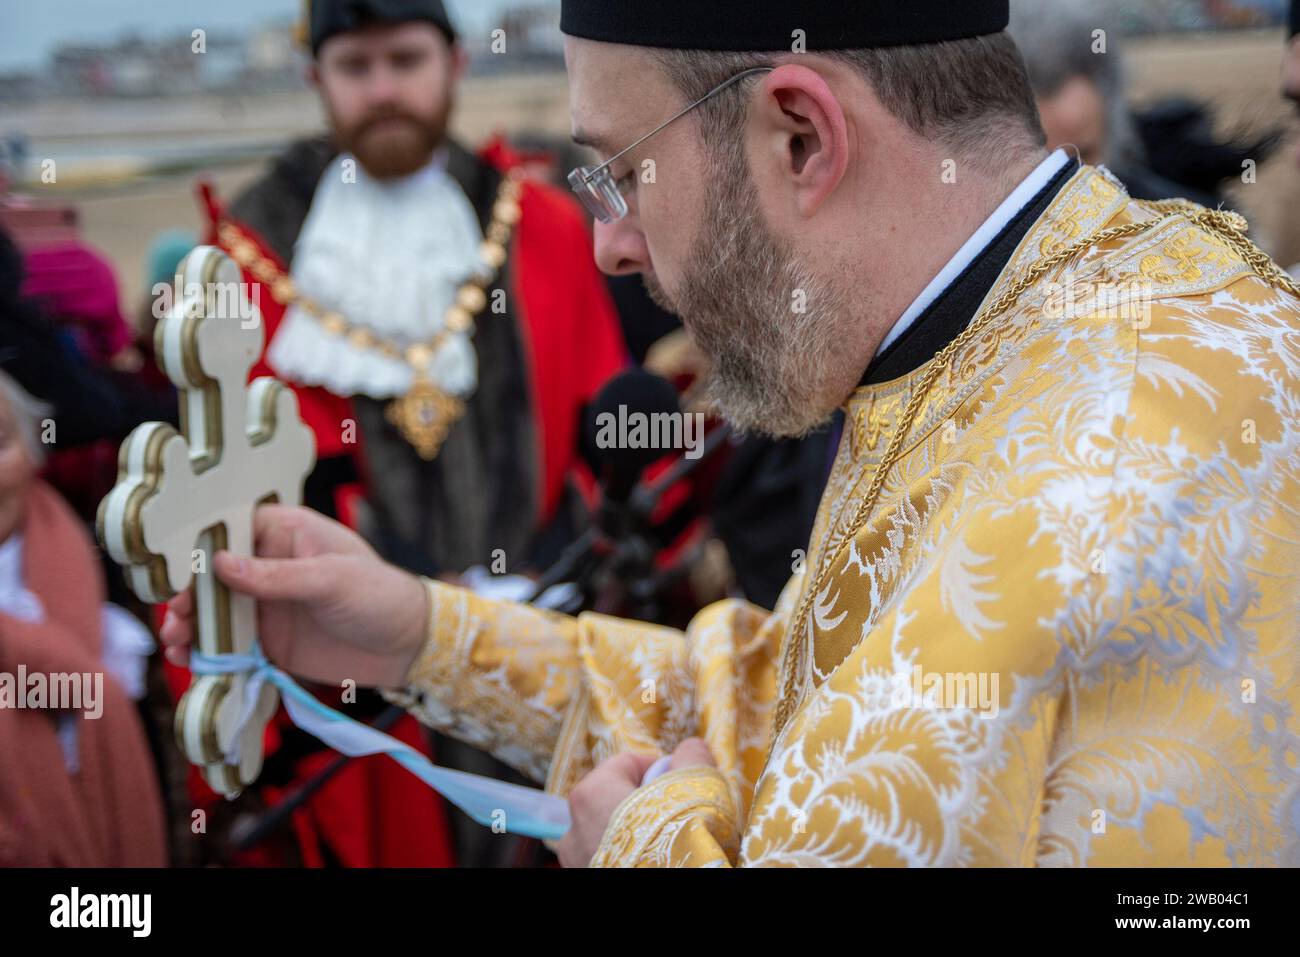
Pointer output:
x,y
425,413
1229,227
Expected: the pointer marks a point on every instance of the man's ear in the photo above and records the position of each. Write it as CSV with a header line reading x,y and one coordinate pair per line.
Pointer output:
x,y
313,74
804,134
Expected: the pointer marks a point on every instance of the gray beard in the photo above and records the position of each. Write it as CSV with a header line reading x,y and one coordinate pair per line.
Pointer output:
x,y
765,324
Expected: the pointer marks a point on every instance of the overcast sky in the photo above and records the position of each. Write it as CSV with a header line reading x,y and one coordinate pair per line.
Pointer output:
x,y
30,29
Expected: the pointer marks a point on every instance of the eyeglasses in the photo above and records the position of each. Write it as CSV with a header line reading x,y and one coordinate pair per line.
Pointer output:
x,y
596,186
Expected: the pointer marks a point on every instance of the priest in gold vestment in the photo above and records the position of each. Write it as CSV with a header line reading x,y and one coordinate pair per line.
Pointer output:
x,y
1050,612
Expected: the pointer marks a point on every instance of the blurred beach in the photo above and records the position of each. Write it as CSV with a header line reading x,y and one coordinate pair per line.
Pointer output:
x,y
130,166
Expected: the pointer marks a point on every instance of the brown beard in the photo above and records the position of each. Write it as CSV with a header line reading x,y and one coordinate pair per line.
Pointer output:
x,y
395,150
737,295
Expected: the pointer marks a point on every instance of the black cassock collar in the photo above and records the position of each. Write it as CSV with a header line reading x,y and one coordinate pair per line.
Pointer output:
x,y
955,308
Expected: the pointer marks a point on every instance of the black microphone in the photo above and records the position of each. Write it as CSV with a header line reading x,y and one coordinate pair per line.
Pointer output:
x,y
635,394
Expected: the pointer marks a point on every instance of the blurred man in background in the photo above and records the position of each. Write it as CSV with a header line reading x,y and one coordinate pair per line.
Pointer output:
x,y
1168,150
443,324
1078,78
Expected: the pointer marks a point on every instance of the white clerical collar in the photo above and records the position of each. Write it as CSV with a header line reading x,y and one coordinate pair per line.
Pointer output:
x,y
1021,197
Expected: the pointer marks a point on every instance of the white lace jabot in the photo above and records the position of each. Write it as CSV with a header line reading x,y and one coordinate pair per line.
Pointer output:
x,y
389,256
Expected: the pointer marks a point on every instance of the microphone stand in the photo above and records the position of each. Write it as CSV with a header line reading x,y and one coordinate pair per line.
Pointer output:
x,y
614,559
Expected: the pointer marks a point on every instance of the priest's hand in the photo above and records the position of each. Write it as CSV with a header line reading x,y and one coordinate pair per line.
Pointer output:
x,y
594,799
328,608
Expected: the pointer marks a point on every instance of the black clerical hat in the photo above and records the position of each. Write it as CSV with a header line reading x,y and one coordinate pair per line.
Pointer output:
x,y
327,18
772,25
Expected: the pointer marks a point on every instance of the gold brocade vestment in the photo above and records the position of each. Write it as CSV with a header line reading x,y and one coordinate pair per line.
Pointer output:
x,y
1069,633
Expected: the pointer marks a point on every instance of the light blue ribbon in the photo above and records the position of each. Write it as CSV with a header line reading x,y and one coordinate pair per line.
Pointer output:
x,y
520,810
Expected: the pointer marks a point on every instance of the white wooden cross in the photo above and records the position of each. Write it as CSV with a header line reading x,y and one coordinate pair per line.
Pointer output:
x,y
181,497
